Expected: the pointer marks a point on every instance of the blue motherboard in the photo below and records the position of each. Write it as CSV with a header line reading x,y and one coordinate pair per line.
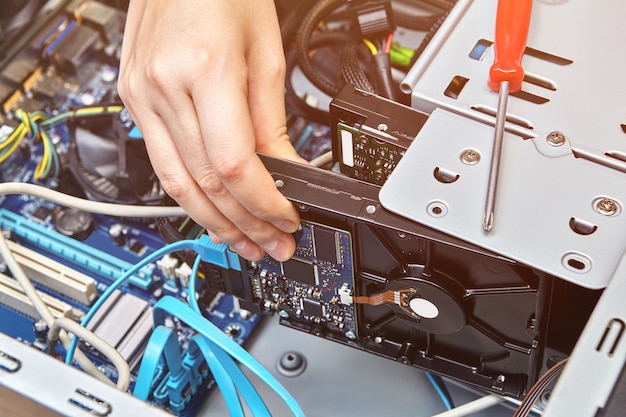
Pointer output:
x,y
70,255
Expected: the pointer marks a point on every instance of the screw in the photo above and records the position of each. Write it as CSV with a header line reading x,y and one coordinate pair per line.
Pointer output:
x,y
401,235
279,183
350,335
378,340
383,127
607,206
470,157
556,138
370,209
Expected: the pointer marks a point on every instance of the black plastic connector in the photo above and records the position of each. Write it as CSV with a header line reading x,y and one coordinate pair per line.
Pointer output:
x,y
373,17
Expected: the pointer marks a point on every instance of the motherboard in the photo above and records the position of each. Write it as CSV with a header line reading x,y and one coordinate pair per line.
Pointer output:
x,y
62,128
388,257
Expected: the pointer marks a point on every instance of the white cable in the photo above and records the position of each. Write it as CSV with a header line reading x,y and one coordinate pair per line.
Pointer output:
x,y
118,210
473,406
123,370
19,275
322,160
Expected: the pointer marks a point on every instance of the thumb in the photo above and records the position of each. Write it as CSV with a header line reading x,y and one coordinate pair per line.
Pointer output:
x,y
280,147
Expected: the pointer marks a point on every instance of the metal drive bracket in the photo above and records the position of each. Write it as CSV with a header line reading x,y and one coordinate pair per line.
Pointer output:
x,y
558,213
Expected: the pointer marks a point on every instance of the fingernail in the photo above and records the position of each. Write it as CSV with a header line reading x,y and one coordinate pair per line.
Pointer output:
x,y
277,250
248,250
214,237
288,226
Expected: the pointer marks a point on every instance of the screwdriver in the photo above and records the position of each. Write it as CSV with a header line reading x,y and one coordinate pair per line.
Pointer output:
x,y
505,76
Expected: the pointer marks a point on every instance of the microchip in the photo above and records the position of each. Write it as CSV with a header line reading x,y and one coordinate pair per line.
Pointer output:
x,y
326,245
313,308
48,86
42,213
299,270
137,248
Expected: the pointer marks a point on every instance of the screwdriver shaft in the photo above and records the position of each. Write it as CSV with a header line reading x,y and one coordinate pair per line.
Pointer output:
x,y
494,169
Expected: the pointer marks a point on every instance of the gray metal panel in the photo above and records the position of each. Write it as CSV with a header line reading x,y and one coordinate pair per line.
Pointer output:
x,y
541,189
43,381
342,381
586,102
598,358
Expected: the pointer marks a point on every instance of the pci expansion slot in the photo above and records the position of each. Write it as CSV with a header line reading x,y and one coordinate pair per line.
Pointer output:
x,y
77,253
13,296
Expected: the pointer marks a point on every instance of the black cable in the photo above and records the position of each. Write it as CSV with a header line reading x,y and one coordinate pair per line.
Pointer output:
x,y
170,234
293,15
296,104
351,69
414,22
322,9
382,73
442,4
428,37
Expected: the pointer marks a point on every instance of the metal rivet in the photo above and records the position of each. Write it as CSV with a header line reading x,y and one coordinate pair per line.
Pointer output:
x,y
370,209
607,206
279,183
556,138
470,157
383,127
291,364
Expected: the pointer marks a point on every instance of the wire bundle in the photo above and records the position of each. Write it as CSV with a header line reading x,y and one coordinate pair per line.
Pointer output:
x,y
35,125
29,126
538,388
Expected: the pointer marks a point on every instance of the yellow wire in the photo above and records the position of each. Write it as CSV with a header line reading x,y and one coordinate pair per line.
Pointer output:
x,y
371,46
26,126
9,140
13,147
43,162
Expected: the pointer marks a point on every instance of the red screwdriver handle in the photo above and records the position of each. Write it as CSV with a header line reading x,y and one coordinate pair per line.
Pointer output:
x,y
512,21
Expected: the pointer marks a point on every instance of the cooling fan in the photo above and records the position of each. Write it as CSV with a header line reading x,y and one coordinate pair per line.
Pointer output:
x,y
109,160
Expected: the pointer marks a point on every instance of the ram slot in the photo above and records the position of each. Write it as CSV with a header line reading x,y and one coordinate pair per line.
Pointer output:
x,y
55,275
12,295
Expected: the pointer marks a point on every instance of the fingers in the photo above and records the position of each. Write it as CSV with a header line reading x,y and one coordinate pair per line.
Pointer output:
x,y
180,185
203,115
237,182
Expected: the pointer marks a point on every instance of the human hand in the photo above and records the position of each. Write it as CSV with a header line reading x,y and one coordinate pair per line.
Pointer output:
x,y
204,82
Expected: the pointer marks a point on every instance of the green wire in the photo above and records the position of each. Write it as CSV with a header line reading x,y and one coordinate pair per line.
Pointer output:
x,y
400,55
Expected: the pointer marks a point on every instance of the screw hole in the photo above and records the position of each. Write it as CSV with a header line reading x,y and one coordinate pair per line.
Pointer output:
x,y
577,262
437,209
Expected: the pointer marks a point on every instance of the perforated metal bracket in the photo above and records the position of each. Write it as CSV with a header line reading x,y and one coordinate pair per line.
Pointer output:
x,y
555,212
